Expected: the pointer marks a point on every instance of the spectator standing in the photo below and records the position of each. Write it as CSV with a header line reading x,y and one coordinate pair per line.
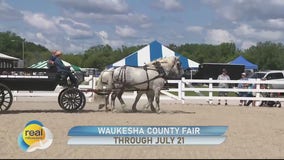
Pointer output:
x,y
243,85
250,94
223,76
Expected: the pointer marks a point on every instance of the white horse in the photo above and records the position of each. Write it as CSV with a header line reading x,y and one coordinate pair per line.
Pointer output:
x,y
104,86
149,79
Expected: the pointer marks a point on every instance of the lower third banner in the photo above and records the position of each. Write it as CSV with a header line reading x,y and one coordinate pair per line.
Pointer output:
x,y
147,135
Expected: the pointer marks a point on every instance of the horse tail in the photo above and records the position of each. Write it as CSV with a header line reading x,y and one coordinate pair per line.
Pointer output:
x,y
104,78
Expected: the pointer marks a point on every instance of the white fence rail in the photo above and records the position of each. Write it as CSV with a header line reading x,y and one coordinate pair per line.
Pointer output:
x,y
203,92
186,85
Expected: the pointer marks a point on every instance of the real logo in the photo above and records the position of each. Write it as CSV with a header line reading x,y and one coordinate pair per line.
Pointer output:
x,y
35,136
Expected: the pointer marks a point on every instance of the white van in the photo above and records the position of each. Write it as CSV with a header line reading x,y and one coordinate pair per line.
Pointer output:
x,y
270,75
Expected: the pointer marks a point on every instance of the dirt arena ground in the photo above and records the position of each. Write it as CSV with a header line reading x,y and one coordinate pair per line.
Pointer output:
x,y
254,132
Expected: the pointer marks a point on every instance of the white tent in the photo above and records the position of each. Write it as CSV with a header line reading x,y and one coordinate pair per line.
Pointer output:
x,y
43,64
152,52
8,61
4,56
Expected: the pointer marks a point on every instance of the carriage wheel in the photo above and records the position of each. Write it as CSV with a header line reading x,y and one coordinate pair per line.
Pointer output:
x,y
58,99
83,103
6,98
71,99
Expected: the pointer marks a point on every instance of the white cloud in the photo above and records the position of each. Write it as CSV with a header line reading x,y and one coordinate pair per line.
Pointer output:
x,y
56,32
42,39
96,6
129,18
247,44
218,36
246,31
266,35
39,21
146,25
76,33
195,29
246,10
169,5
73,28
58,25
125,31
103,35
76,23
275,23
277,2
7,12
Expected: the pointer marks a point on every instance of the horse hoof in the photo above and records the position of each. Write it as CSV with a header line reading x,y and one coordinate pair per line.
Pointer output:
x,y
146,107
123,106
134,110
101,106
153,109
158,110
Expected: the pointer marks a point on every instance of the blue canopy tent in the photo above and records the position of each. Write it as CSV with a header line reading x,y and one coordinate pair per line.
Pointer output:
x,y
245,62
151,52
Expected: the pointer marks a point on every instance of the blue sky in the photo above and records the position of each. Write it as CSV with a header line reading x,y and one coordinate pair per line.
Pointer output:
x,y
75,25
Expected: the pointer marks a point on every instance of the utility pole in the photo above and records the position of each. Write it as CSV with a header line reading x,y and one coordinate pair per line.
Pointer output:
x,y
23,50
23,56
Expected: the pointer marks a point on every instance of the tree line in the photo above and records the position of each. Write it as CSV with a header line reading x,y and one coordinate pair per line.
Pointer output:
x,y
267,55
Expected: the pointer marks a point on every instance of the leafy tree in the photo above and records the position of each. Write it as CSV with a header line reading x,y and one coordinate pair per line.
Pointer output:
x,y
267,55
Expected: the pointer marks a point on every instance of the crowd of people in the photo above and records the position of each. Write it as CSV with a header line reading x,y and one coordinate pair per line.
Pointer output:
x,y
224,76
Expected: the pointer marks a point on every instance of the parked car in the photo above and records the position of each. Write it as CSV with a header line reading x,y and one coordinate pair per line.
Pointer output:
x,y
270,75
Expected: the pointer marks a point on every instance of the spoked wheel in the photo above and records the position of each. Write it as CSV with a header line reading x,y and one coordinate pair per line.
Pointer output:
x,y
72,99
58,100
6,98
83,103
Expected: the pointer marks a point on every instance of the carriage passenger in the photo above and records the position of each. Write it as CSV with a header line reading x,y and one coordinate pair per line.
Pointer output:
x,y
62,69
50,62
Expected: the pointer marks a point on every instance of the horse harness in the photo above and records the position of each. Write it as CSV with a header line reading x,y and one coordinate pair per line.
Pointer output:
x,y
121,78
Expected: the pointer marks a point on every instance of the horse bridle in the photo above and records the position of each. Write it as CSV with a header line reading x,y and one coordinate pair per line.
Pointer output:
x,y
170,68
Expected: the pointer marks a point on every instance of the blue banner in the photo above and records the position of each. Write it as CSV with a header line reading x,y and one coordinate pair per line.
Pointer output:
x,y
147,135
147,131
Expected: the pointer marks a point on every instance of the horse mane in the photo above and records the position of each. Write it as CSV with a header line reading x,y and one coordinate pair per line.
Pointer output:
x,y
163,60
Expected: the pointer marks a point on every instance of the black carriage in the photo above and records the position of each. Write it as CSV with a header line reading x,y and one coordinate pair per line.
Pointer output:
x,y
30,79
